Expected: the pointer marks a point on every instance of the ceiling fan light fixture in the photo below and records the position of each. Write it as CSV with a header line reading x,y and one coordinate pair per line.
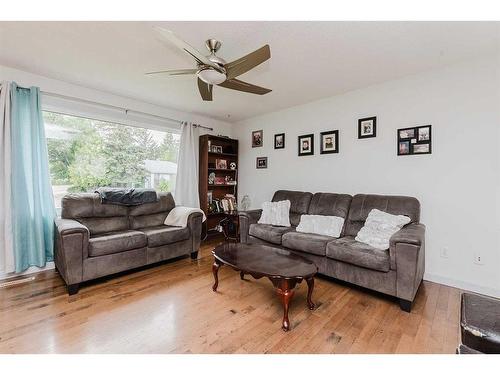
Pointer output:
x,y
211,76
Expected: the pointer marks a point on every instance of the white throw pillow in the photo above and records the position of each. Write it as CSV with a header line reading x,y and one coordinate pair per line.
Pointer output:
x,y
276,213
379,227
320,224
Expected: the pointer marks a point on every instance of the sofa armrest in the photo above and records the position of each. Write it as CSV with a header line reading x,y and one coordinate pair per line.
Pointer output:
x,y
413,234
246,218
194,223
72,240
69,226
407,255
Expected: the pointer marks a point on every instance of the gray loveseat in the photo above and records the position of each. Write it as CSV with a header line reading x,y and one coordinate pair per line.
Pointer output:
x,y
95,239
397,271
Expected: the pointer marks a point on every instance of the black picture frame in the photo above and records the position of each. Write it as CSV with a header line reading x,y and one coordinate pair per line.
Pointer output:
x,y
301,139
277,147
257,138
322,135
261,162
361,134
416,140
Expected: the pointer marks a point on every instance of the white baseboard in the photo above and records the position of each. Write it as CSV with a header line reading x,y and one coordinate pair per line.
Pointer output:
x,y
463,285
48,266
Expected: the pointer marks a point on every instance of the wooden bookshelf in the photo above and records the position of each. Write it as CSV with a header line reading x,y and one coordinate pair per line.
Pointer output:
x,y
208,165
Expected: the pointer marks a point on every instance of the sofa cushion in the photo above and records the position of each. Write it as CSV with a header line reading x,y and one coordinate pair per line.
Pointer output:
x,y
88,205
151,214
299,203
306,242
330,204
362,204
116,242
348,250
164,235
268,232
276,213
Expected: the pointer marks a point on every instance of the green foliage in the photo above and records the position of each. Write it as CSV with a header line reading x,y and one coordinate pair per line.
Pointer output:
x,y
104,154
164,186
169,149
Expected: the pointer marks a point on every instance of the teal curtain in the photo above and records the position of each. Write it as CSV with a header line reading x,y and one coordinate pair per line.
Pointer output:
x,y
33,207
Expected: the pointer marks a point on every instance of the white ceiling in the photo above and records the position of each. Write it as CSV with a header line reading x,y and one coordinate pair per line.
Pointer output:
x,y
309,60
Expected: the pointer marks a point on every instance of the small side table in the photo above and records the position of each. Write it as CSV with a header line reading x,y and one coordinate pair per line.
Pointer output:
x,y
231,218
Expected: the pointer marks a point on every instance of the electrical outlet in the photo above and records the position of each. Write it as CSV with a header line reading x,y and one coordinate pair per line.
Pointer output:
x,y
444,252
478,259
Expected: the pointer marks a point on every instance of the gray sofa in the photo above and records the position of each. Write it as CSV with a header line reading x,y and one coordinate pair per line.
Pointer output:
x,y
397,272
95,239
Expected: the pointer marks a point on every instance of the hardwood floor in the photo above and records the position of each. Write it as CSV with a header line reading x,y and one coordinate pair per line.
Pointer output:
x,y
171,308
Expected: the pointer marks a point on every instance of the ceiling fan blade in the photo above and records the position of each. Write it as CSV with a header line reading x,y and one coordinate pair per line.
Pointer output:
x,y
205,90
250,61
236,84
177,72
193,52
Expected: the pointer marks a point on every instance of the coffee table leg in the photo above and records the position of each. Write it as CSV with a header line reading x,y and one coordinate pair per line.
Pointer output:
x,y
310,288
215,271
284,288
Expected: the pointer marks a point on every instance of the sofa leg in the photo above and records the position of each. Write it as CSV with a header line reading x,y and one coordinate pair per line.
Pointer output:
x,y
73,289
194,255
405,305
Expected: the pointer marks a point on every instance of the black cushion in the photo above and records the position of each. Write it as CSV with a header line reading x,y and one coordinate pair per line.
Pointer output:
x,y
480,323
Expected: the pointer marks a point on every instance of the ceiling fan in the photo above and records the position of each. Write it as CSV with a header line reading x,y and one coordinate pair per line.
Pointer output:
x,y
213,70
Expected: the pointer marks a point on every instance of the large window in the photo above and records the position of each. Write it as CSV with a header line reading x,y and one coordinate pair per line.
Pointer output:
x,y
86,154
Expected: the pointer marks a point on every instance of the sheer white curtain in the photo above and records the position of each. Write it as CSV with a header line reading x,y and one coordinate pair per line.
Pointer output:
x,y
186,185
6,241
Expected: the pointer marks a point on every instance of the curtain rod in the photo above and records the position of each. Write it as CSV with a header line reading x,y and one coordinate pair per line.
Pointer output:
x,y
127,111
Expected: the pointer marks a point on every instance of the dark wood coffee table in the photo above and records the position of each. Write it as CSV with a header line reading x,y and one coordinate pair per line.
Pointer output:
x,y
283,268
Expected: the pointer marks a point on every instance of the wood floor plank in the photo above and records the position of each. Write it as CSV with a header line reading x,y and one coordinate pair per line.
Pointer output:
x,y
170,308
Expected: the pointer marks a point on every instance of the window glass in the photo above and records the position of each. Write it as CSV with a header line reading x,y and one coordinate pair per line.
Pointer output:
x,y
86,154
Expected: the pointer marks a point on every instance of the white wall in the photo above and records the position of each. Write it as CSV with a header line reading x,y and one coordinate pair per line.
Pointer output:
x,y
458,185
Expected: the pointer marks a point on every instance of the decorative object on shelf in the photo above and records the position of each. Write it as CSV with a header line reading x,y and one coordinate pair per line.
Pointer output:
x,y
261,162
230,180
306,145
232,165
209,196
211,178
220,180
415,140
245,203
221,164
279,141
217,149
257,138
329,142
367,127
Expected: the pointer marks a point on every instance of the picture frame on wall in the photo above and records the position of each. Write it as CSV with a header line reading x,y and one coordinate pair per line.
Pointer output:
x,y
416,140
367,127
279,141
306,145
261,162
329,142
257,138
